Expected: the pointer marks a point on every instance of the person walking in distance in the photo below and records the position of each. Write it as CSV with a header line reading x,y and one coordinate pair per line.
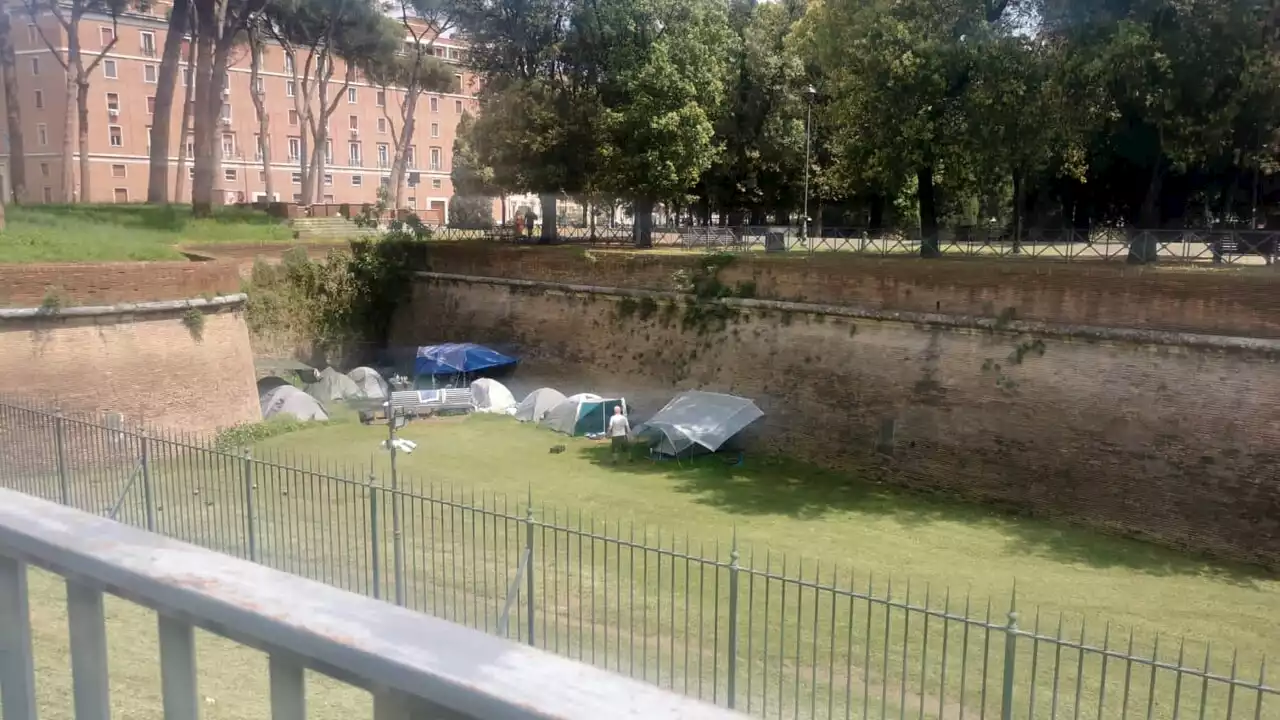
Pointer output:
x,y
619,429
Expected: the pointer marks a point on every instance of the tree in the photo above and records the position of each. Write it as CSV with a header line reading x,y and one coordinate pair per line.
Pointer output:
x,y
258,94
408,72
166,82
68,16
13,111
184,125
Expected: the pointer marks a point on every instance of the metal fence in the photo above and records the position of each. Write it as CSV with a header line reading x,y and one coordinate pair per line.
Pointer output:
x,y
1232,247
772,636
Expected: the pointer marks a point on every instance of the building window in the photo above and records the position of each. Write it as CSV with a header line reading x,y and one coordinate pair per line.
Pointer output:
x,y
148,40
457,106
149,73
191,172
353,153
262,176
297,179
295,148
44,169
151,104
290,88
228,146
35,66
411,158
351,96
328,178
435,104
457,82
191,146
293,117
436,183
436,155
230,174
328,150
258,87
42,135
118,171
48,194
384,153
226,112
106,34
113,103
382,126
261,151
413,202
109,70
288,63
148,139
381,98
297,197
435,130
33,33
39,99
116,135
385,181
354,122
357,180
186,77
121,195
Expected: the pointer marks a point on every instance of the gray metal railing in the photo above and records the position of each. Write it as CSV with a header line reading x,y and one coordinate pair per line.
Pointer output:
x,y
748,630
412,664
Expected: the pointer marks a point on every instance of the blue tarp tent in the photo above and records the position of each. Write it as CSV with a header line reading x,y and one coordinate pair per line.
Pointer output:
x,y
454,359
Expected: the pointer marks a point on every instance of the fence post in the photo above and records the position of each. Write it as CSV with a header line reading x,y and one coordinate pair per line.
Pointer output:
x,y
376,537
528,580
733,622
250,525
60,446
148,498
1010,658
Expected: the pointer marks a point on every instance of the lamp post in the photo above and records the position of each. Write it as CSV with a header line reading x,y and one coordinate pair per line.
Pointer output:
x,y
810,94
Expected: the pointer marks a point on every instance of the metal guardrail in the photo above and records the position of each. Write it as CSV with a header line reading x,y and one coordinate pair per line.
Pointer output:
x,y
1226,247
750,631
414,665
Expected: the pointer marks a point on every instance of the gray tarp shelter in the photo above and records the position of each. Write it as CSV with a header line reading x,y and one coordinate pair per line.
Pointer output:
x,y
697,421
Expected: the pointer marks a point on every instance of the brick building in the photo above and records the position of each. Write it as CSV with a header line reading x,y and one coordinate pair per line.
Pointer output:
x,y
122,105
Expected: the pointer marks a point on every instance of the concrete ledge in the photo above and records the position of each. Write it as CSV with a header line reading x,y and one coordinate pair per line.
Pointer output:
x,y
971,322
142,308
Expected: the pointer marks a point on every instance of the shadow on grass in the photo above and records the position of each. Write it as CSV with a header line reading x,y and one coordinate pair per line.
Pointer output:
x,y
765,485
163,218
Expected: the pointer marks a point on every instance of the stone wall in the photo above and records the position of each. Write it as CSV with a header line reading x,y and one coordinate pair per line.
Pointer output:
x,y
111,283
1226,301
147,366
1170,442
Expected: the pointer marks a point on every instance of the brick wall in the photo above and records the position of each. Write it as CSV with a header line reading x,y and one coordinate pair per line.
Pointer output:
x,y
148,368
1229,301
110,283
1168,443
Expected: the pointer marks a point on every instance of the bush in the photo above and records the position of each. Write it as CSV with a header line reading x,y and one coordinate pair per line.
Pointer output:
x,y
470,212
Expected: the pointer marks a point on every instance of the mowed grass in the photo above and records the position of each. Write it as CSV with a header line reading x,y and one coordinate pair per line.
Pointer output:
x,y
800,652
106,233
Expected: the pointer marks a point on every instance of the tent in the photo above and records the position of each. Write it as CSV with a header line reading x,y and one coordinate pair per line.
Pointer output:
x,y
492,396
287,401
697,421
333,385
269,383
369,383
538,403
582,413
458,359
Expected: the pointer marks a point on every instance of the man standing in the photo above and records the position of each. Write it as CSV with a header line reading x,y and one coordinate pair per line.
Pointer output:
x,y
619,429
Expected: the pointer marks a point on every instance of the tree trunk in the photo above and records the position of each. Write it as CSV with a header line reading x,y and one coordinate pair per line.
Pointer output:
x,y
1143,247
549,223
1017,211
166,87
17,149
204,122
68,156
184,129
926,197
316,171
405,142
82,111
258,95
642,228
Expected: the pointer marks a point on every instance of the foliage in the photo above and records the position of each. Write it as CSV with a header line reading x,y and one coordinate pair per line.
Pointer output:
x,y
193,321
471,212
245,435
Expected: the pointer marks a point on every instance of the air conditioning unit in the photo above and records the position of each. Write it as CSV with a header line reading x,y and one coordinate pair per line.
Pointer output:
x,y
226,92
226,122
355,133
113,113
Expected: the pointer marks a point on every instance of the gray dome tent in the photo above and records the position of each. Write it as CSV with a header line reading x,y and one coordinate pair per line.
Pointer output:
x,y
333,385
288,400
697,421
369,383
538,403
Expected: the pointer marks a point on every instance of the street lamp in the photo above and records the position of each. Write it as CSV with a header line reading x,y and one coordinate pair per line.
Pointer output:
x,y
810,94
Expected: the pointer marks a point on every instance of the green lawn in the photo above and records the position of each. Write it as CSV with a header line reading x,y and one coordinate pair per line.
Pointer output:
x,y
101,233
624,608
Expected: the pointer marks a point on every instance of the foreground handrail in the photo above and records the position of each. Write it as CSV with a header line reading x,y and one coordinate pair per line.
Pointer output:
x,y
362,641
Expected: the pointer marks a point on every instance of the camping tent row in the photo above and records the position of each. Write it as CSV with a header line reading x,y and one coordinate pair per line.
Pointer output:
x,y
693,422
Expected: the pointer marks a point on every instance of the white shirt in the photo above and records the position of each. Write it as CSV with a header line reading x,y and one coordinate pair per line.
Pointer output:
x,y
619,426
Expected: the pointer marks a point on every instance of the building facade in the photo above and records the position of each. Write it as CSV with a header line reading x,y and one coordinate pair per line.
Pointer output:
x,y
122,104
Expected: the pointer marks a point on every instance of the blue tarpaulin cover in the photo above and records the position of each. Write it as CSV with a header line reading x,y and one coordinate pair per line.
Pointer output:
x,y
454,358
